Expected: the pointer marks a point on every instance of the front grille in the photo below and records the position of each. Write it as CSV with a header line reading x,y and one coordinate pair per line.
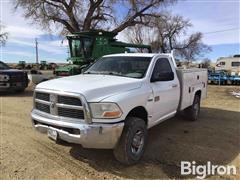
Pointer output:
x,y
16,78
69,100
42,96
42,107
71,113
59,105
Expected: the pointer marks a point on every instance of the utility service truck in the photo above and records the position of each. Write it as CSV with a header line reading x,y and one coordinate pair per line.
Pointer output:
x,y
114,103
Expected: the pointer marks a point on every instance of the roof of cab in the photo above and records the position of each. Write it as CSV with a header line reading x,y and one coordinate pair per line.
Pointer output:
x,y
132,54
138,54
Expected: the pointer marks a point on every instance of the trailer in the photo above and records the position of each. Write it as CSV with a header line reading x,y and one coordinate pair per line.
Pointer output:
x,y
229,64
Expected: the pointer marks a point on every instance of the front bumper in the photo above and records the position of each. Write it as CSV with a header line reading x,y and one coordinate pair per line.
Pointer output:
x,y
95,135
6,86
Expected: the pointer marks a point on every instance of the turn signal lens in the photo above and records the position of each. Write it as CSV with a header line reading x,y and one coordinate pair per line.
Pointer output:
x,y
113,114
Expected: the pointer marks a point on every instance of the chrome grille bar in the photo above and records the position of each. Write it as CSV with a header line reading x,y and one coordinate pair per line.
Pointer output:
x,y
62,104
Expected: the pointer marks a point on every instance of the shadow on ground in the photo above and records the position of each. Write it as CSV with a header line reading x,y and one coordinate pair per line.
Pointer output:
x,y
214,137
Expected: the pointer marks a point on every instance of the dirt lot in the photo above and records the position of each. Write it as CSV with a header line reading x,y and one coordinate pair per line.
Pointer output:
x,y
215,137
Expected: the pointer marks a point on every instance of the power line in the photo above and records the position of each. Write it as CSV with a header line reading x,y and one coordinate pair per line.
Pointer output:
x,y
36,47
212,32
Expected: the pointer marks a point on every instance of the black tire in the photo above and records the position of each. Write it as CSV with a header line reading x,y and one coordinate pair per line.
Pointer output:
x,y
127,151
193,111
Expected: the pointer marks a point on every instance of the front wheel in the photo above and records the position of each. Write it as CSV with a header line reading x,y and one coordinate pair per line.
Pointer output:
x,y
132,143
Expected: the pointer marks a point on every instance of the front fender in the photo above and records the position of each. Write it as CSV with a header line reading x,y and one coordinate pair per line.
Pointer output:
x,y
128,100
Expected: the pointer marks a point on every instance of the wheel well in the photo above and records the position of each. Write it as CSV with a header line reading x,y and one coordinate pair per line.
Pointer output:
x,y
198,93
139,112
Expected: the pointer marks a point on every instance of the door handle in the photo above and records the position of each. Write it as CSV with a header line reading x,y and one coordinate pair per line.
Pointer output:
x,y
174,85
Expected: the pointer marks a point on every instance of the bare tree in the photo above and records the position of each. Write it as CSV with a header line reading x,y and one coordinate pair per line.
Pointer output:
x,y
139,34
80,15
166,32
3,35
192,47
170,32
206,63
135,34
168,29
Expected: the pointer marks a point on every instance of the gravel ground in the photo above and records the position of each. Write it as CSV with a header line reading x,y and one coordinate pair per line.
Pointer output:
x,y
215,137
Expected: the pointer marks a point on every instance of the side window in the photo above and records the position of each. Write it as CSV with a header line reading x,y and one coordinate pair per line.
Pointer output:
x,y
162,65
221,64
235,64
162,71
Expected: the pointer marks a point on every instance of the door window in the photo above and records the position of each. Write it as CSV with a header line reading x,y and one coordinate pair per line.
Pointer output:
x,y
162,67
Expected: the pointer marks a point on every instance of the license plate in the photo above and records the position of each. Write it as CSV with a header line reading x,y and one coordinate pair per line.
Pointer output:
x,y
52,134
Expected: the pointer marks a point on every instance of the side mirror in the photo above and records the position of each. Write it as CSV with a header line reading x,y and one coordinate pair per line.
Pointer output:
x,y
162,76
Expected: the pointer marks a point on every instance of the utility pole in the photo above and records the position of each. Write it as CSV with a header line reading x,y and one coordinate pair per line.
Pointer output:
x,y
68,53
36,45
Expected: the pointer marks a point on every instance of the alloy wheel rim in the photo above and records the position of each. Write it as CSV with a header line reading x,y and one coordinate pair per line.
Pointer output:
x,y
137,142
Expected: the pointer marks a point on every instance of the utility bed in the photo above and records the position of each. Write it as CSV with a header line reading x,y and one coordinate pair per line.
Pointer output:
x,y
191,79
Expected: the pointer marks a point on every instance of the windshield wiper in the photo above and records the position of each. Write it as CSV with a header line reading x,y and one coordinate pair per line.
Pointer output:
x,y
112,73
90,72
104,73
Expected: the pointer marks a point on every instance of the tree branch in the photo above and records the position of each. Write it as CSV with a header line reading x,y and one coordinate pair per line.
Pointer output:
x,y
130,20
91,10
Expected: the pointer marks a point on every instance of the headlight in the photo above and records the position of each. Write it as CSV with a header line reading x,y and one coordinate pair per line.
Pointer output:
x,y
4,77
105,110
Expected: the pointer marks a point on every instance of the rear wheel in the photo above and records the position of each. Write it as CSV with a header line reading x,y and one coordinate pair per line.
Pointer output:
x,y
193,111
132,143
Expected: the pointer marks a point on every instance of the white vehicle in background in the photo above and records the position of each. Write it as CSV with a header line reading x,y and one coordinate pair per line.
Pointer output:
x,y
37,77
229,64
114,103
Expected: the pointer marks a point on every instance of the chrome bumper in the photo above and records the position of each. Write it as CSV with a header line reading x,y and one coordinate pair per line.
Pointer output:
x,y
95,135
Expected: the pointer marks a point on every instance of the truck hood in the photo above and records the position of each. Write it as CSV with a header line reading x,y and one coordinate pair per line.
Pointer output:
x,y
10,71
94,87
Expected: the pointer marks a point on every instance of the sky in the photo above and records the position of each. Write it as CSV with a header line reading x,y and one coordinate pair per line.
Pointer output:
x,y
218,20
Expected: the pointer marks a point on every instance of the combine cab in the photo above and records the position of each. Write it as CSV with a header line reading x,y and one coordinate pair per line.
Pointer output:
x,y
85,47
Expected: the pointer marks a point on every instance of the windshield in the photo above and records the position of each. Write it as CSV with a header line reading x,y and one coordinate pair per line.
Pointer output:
x,y
3,66
81,47
133,67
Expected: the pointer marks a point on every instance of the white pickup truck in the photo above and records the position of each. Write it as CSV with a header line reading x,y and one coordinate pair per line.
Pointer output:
x,y
114,103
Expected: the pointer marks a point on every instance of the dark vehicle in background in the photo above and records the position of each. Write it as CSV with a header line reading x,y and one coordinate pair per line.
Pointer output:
x,y
12,79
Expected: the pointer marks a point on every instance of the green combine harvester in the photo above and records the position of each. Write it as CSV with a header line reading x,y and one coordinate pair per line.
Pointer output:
x,y
87,46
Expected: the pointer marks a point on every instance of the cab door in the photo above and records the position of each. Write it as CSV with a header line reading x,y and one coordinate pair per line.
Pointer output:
x,y
166,90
